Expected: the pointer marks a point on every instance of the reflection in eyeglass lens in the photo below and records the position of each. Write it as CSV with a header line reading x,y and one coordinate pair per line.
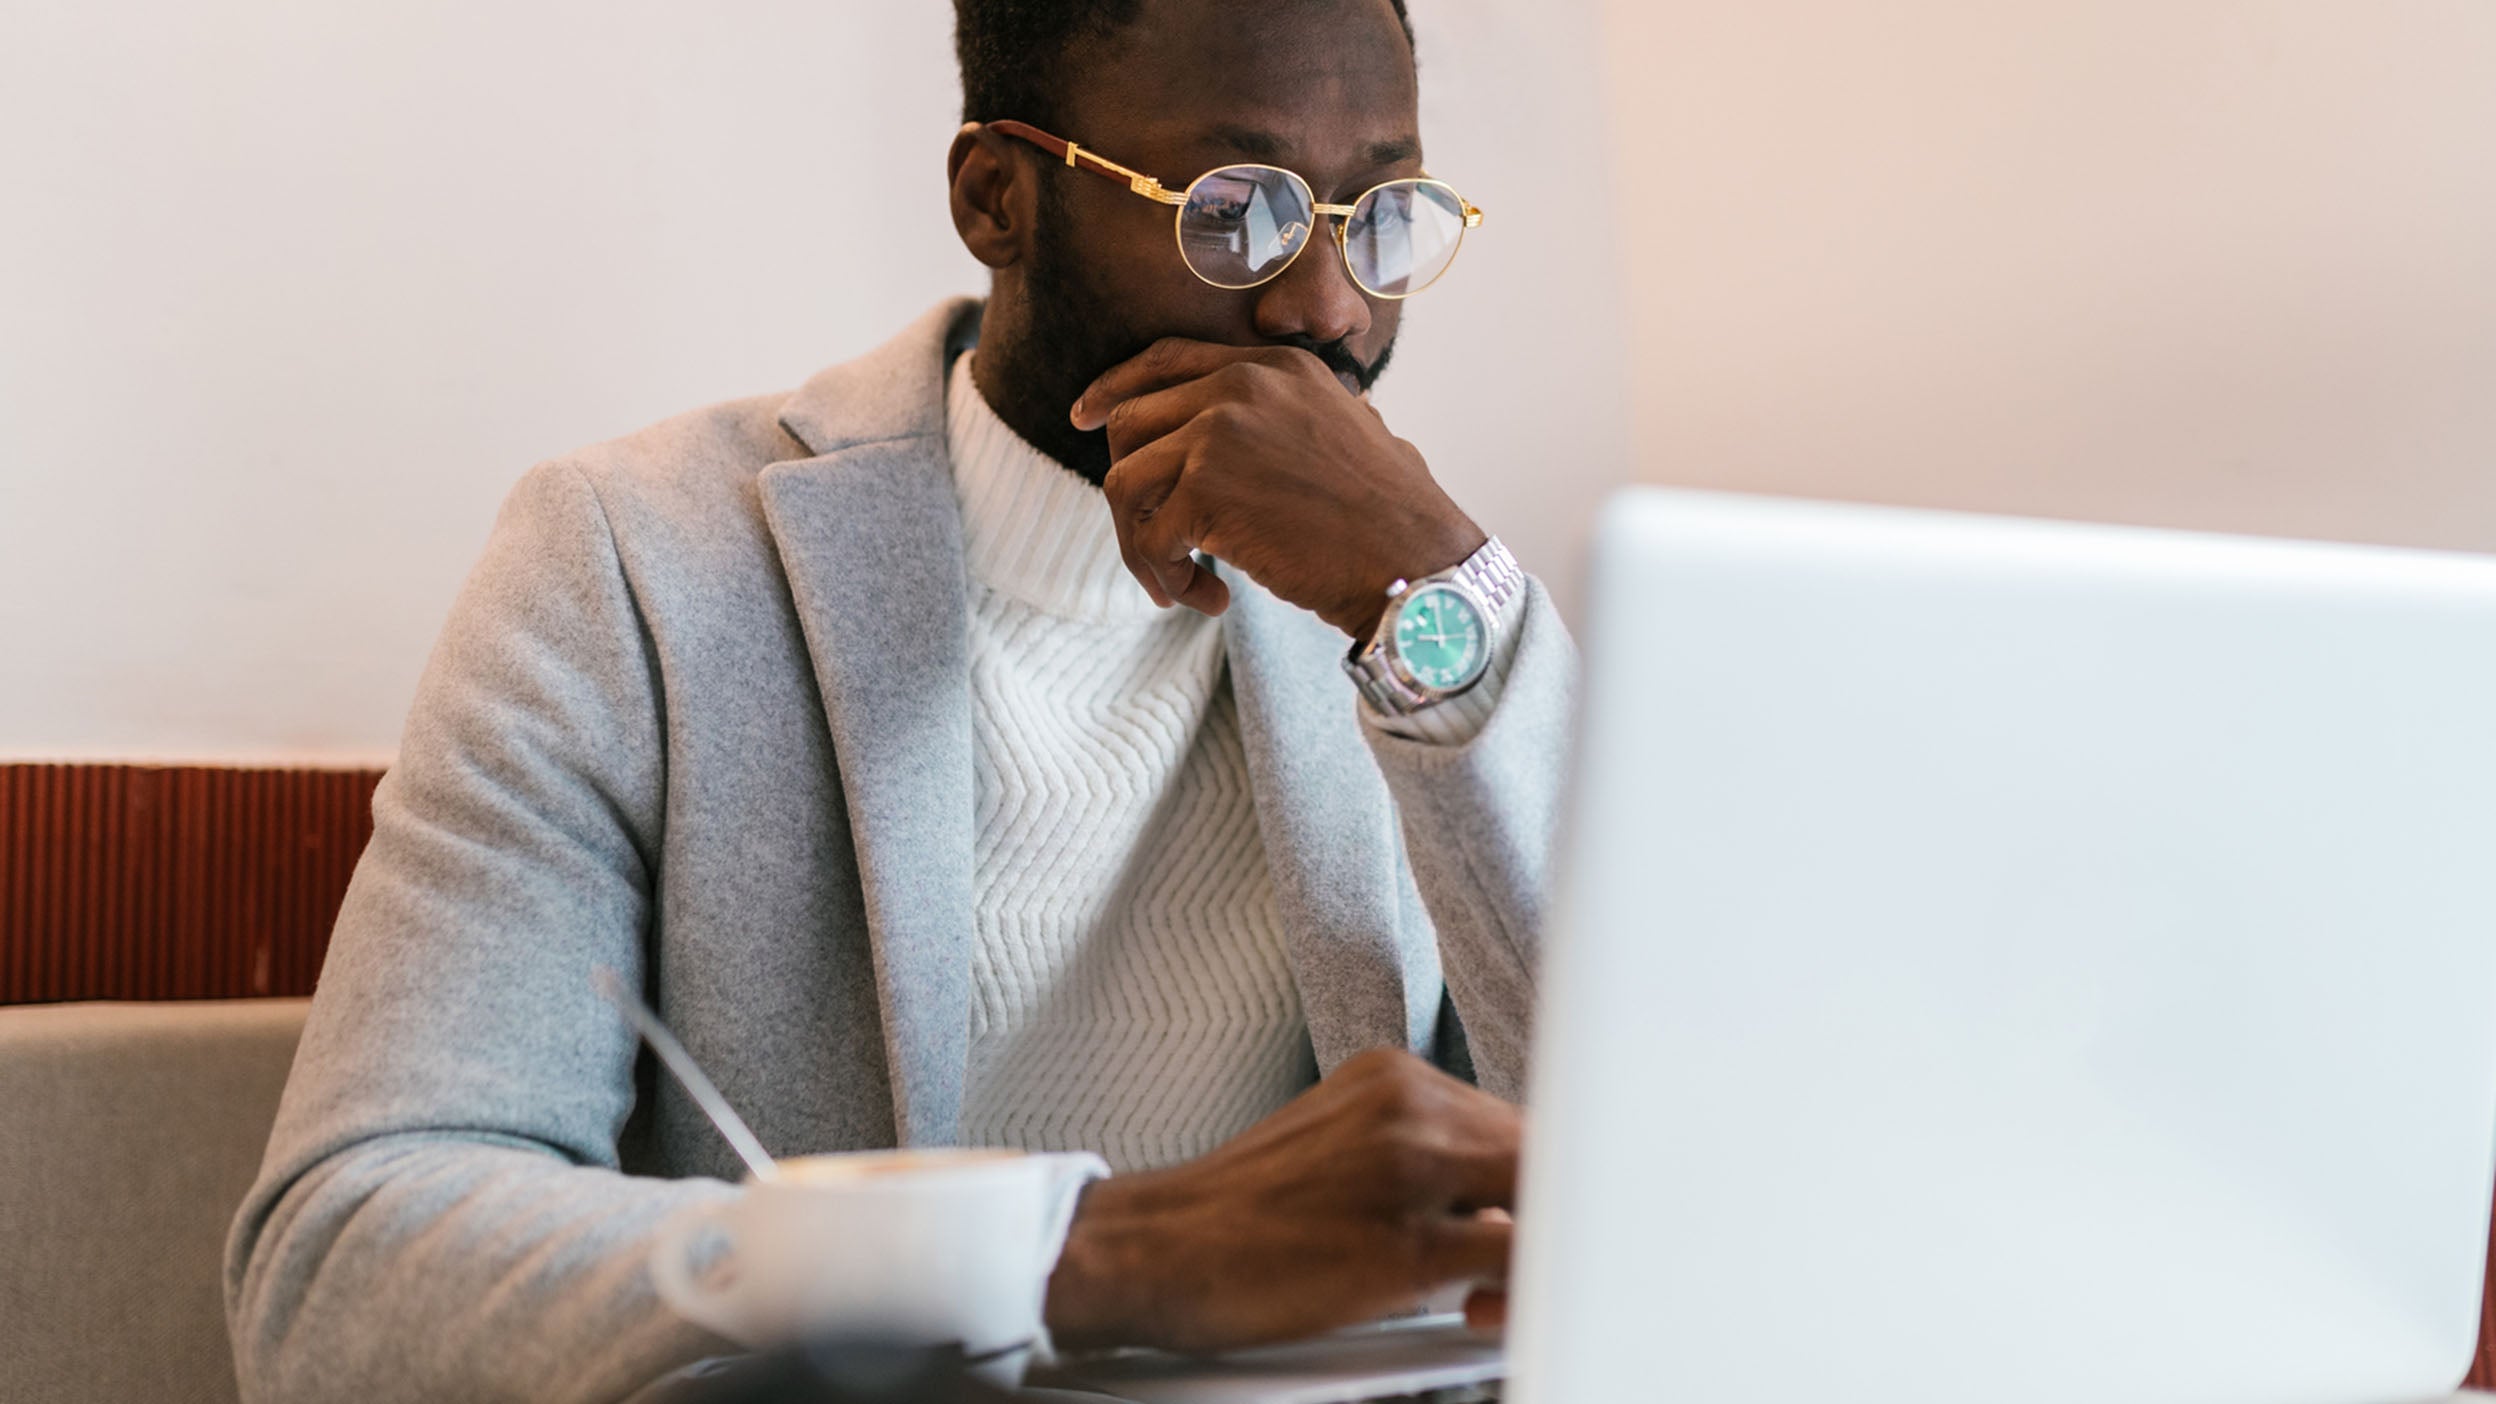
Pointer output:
x,y
1403,236
1240,225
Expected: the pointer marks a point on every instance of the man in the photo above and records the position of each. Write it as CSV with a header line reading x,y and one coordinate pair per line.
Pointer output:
x,y
960,750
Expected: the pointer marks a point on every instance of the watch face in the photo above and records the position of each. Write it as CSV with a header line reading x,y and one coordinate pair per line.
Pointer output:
x,y
1439,638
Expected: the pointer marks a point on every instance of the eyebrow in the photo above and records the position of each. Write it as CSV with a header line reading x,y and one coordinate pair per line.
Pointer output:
x,y
1261,145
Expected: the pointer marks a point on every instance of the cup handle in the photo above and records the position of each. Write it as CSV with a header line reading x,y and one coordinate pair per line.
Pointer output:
x,y
671,1269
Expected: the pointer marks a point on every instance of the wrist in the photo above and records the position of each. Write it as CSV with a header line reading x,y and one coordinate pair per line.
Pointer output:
x,y
1096,1293
1447,550
1441,636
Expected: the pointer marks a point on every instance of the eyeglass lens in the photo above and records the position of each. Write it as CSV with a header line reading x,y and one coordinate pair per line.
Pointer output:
x,y
1403,235
1242,225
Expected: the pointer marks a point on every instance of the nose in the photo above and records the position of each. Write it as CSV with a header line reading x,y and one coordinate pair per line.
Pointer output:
x,y
1315,297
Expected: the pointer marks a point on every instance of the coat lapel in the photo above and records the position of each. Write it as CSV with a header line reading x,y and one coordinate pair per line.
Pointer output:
x,y
1361,951
869,534
870,537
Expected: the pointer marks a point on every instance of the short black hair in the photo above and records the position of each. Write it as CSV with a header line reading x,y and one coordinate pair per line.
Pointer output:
x,y
1013,51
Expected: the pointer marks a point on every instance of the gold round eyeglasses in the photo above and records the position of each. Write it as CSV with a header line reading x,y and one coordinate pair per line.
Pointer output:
x,y
1240,226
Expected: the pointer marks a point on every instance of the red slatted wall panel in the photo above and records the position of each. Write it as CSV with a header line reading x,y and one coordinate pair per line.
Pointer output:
x,y
172,882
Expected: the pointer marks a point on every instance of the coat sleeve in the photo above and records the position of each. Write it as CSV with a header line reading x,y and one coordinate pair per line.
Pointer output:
x,y
440,1214
1479,820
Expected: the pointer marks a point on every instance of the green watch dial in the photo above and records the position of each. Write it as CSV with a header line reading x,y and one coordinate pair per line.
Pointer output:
x,y
1440,638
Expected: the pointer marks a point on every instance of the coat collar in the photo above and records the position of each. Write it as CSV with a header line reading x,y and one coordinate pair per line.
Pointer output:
x,y
896,391
869,534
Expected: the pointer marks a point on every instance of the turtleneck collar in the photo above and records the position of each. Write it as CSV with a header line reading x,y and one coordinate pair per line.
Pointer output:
x,y
1031,529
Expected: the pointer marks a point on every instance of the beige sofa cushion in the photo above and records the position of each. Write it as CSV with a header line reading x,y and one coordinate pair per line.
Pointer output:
x,y
128,1134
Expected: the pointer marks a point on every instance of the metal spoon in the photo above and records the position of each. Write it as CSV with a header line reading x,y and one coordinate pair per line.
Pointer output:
x,y
687,1072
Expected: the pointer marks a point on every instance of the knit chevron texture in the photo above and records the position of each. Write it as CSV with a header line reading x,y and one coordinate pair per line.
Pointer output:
x,y
1130,990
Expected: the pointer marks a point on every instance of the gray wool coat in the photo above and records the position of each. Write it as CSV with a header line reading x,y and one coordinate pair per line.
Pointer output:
x,y
702,715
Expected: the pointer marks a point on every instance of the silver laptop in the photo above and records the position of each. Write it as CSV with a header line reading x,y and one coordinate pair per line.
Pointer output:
x,y
1996,960
2015,960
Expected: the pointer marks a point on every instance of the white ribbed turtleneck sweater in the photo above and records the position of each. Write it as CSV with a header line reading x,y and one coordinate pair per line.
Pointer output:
x,y
1130,990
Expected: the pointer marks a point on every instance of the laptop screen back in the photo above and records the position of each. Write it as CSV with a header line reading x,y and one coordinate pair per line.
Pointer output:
x,y
1997,955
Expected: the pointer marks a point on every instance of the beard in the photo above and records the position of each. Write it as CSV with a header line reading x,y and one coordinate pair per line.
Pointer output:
x,y
1074,331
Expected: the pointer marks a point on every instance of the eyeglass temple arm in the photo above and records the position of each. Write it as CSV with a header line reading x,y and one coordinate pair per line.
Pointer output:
x,y
1074,155
1082,160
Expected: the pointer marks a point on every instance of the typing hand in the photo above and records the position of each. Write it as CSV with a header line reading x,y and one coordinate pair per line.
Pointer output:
x,y
1383,1183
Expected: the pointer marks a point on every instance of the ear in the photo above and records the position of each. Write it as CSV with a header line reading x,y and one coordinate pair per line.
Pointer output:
x,y
996,197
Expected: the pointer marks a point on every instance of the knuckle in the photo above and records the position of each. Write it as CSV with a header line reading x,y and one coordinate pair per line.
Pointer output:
x,y
1222,417
1241,377
1308,362
1274,378
1414,1154
1372,1065
1407,1075
1198,465
1411,1150
1289,358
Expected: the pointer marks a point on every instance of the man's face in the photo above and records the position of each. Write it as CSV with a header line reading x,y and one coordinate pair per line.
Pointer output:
x,y
1322,87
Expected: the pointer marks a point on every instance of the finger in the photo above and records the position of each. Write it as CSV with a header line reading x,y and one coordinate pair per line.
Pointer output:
x,y
1136,487
1486,1309
1480,1171
1173,568
1483,1179
1203,590
1466,1248
1140,419
1166,542
1167,362
1138,483
1144,574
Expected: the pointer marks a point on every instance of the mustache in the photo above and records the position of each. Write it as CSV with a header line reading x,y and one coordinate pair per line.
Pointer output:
x,y
1337,355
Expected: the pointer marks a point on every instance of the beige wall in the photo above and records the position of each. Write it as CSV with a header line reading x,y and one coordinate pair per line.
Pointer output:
x,y
291,292
2210,263
295,291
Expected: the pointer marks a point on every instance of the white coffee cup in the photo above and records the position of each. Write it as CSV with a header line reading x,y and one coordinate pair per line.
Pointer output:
x,y
910,1247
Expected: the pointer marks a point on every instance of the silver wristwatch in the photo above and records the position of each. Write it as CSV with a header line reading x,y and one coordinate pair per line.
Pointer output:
x,y
1438,633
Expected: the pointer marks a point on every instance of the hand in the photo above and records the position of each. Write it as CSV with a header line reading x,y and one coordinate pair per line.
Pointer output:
x,y
1261,457
1364,1194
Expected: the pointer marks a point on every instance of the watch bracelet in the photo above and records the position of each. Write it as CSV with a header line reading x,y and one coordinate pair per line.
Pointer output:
x,y
1491,574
